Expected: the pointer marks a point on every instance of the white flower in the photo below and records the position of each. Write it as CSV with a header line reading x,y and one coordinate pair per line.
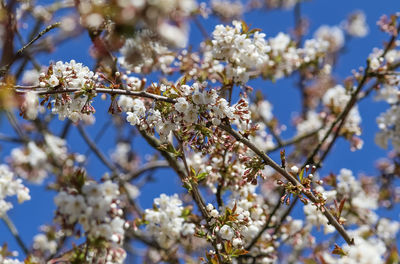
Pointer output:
x,y
182,105
226,232
387,230
117,226
236,242
109,190
166,224
42,243
53,81
125,102
9,186
31,105
75,206
280,42
334,35
178,36
132,118
374,63
188,229
294,169
198,98
30,77
356,25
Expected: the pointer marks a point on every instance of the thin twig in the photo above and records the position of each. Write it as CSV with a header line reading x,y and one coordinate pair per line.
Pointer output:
x,y
172,161
147,167
266,226
99,135
271,129
294,140
66,129
10,139
4,69
44,31
195,192
10,225
342,116
96,150
201,28
286,214
13,121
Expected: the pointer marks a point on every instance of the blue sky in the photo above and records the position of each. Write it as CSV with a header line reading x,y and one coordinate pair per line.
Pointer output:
x,y
282,94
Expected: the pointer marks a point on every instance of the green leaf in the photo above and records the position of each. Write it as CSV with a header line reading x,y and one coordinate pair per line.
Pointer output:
x,y
187,186
301,175
201,176
192,170
239,252
168,147
245,27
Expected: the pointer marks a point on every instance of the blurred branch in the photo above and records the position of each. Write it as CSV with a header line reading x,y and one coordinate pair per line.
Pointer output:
x,y
38,36
147,167
96,150
5,68
294,140
10,225
13,121
10,139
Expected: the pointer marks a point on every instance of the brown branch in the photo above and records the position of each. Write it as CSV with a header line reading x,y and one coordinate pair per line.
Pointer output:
x,y
94,148
10,225
148,167
24,89
294,140
13,121
292,179
38,36
4,69
342,117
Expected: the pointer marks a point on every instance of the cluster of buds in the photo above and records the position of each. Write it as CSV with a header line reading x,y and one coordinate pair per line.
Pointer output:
x,y
306,178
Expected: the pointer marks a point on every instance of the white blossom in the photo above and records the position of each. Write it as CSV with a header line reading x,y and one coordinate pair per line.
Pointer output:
x,y
11,186
166,224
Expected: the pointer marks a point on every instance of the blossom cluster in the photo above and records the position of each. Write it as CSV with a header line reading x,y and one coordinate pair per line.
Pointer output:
x,y
356,25
367,249
227,10
388,92
145,53
248,54
10,186
65,76
96,209
195,105
167,18
34,161
166,222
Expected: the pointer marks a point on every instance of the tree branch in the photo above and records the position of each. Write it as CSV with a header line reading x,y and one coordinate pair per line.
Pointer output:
x,y
268,161
10,225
